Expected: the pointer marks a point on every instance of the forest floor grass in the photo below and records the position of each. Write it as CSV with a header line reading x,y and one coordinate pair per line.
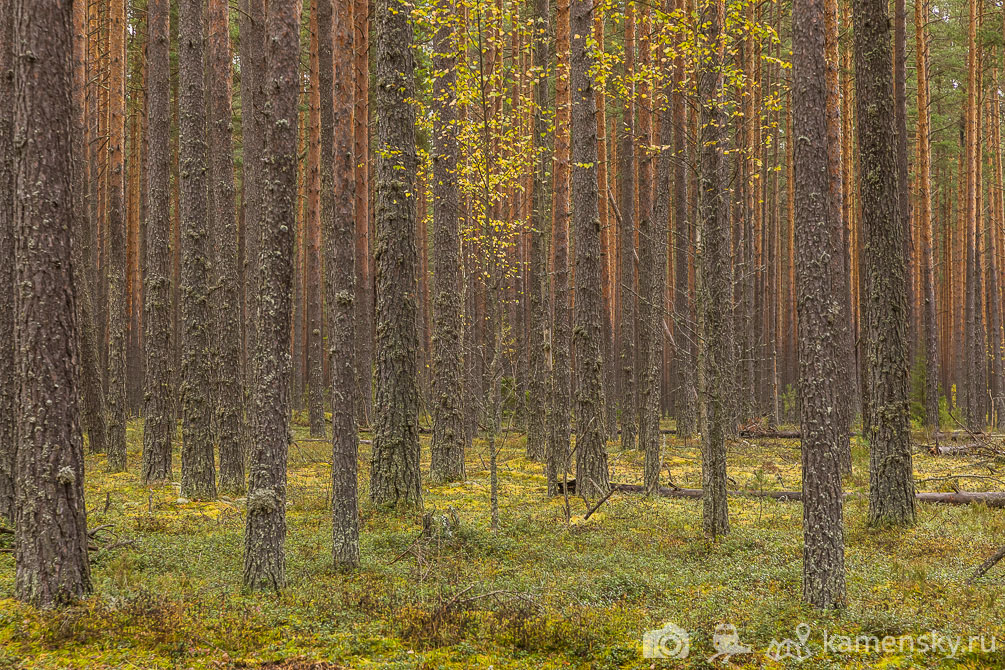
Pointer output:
x,y
539,593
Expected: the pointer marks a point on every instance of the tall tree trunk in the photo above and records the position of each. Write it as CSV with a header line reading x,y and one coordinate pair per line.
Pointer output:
x,y
974,357
835,200
116,396
591,431
394,477
265,533
8,369
538,278
626,154
925,221
230,399
715,290
684,332
653,284
903,189
50,549
312,229
158,407
891,480
818,266
252,47
561,365
364,257
93,410
338,186
198,470
447,448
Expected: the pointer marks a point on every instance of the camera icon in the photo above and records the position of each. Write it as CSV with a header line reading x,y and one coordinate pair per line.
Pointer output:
x,y
670,641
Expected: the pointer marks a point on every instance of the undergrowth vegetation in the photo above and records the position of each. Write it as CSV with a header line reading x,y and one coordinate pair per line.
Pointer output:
x,y
543,592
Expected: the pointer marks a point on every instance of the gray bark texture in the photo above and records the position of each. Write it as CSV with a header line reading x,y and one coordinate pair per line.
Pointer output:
x,y
538,279
227,295
338,228
50,550
818,267
8,371
448,442
891,481
265,533
394,474
115,396
198,469
715,289
159,424
591,431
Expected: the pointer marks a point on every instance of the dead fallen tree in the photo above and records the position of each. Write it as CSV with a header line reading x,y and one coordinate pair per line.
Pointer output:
x,y
995,499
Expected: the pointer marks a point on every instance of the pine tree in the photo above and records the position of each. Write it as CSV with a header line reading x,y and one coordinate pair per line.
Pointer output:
x,y
50,549
591,431
230,389
818,267
198,470
448,442
8,371
116,228
626,155
891,479
265,533
559,418
394,477
715,290
338,226
538,278
158,426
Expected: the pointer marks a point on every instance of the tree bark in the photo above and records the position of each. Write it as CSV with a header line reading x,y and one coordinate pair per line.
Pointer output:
x,y
538,279
338,187
891,484
818,269
252,47
116,227
312,228
684,332
715,291
653,284
265,533
158,409
198,469
925,222
626,156
230,389
8,369
364,257
448,442
591,431
394,478
559,417
50,549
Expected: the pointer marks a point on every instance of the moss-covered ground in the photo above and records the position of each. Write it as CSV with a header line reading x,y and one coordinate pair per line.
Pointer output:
x,y
542,592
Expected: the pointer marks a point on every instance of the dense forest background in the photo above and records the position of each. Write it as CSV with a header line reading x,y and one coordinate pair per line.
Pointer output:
x,y
399,296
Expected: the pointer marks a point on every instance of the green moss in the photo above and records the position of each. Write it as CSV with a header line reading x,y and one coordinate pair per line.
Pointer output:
x,y
536,594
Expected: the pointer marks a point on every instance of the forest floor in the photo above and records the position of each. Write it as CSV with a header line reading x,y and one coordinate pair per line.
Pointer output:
x,y
539,593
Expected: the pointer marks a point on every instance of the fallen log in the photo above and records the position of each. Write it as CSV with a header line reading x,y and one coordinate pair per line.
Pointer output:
x,y
995,499
986,565
952,449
